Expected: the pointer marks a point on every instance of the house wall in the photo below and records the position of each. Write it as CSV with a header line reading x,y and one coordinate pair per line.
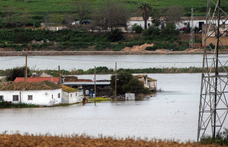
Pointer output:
x,y
139,23
72,97
39,97
152,85
65,97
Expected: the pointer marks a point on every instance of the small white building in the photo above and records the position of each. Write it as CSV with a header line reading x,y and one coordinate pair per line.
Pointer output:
x,y
137,21
147,82
129,96
71,95
45,93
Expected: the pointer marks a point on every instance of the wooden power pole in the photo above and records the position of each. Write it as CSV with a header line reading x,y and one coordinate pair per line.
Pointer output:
x,y
115,80
95,86
26,70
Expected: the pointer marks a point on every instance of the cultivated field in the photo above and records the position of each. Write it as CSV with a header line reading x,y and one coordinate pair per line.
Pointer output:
x,y
41,6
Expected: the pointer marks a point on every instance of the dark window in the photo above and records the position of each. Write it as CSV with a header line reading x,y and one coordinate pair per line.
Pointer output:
x,y
75,94
70,95
29,97
58,95
1,97
148,24
15,97
52,96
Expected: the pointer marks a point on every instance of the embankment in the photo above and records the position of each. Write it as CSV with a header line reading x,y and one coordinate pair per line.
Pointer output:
x,y
70,53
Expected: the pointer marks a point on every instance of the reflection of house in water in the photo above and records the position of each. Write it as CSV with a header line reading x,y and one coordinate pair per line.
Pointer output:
x,y
102,86
147,82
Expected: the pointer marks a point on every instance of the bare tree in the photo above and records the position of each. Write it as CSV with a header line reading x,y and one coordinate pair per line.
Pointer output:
x,y
10,12
174,14
113,14
83,9
24,17
68,19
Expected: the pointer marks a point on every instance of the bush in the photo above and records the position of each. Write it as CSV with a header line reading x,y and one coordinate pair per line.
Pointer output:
x,y
137,28
115,35
150,48
212,46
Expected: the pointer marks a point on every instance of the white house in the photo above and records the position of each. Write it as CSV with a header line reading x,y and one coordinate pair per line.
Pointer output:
x,y
147,82
71,95
137,21
45,93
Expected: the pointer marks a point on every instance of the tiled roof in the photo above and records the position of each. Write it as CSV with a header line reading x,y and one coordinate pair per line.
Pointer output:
x,y
138,19
68,89
43,85
36,79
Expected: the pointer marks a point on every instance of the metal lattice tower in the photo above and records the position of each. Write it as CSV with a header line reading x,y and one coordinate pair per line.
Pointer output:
x,y
192,37
213,107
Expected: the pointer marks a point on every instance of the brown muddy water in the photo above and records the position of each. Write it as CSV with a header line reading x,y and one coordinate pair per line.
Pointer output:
x,y
172,114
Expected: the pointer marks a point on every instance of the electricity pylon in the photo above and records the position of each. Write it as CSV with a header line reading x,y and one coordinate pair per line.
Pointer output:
x,y
213,107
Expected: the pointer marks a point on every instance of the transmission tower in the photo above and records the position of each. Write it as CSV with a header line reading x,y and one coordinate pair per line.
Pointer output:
x,y
192,37
213,107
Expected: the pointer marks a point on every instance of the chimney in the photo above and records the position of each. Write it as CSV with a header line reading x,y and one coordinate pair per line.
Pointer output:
x,y
52,76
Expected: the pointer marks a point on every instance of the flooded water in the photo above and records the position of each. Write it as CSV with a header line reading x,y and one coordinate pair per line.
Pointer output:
x,y
172,114
85,62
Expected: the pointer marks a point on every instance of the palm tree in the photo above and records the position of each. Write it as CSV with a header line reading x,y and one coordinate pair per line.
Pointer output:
x,y
145,9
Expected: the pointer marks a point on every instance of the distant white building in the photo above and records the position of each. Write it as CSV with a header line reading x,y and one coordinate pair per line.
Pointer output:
x,y
71,95
147,82
137,21
45,93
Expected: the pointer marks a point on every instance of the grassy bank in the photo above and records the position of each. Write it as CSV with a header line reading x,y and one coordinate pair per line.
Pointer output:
x,y
16,105
99,99
105,70
83,140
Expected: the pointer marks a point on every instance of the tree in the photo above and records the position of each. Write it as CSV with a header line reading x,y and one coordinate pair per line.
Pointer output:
x,y
113,14
174,14
83,9
122,79
68,19
145,9
10,12
16,72
24,17
127,83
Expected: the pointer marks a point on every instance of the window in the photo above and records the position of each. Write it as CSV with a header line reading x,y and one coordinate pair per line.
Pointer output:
x,y
15,97
75,94
29,97
58,95
1,97
148,24
70,95
52,96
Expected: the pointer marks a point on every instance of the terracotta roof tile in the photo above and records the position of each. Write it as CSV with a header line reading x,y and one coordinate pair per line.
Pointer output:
x,y
36,79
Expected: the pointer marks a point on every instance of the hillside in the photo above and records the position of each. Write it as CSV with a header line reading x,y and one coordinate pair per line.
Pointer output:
x,y
43,6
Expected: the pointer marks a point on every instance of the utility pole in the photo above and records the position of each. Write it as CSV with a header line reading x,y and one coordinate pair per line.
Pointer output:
x,y
26,69
192,37
115,80
59,82
95,86
213,107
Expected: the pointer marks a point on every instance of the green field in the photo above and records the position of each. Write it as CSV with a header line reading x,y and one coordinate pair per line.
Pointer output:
x,y
59,6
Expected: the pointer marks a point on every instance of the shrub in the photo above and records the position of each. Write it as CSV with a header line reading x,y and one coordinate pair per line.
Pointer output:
x,y
150,48
137,28
212,46
115,35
